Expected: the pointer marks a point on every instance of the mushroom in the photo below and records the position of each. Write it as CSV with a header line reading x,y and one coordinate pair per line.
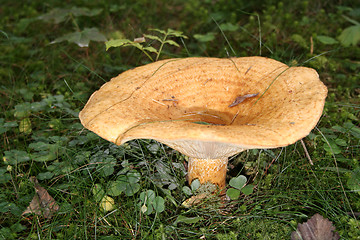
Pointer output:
x,y
208,108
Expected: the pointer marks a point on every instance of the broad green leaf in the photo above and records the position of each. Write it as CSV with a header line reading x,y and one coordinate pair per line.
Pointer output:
x,y
26,94
47,151
147,196
10,124
117,43
131,189
22,110
152,37
195,184
339,129
98,192
350,36
187,220
14,157
187,190
45,175
58,15
7,206
233,193
326,40
6,126
354,130
158,30
44,156
115,188
137,45
248,189
354,181
106,168
173,186
238,182
341,142
229,27
333,148
39,146
38,106
4,176
60,168
133,176
159,204
175,33
146,201
171,42
208,37
149,49
83,38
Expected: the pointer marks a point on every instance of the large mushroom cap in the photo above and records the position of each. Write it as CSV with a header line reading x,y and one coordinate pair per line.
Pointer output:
x,y
185,103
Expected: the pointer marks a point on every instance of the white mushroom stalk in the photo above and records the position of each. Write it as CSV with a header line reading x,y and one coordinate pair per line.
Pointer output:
x,y
208,108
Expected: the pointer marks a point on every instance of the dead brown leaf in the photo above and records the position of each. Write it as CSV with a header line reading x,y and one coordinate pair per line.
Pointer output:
x,y
240,99
194,200
316,228
42,204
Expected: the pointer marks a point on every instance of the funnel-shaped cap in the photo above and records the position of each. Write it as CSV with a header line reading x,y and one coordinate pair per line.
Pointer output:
x,y
209,107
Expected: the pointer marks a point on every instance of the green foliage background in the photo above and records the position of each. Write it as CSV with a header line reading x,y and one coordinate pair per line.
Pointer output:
x,y
46,78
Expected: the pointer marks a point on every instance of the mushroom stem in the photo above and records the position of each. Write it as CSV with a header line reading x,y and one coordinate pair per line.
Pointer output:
x,y
208,170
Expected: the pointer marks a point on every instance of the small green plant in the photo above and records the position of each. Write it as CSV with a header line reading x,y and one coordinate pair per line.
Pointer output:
x,y
335,142
125,183
354,180
350,35
145,46
238,185
80,37
150,203
6,126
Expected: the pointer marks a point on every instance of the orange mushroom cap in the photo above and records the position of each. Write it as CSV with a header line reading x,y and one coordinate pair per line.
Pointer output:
x,y
190,105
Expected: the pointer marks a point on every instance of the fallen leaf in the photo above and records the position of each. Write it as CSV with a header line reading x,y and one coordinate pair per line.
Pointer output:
x,y
107,203
139,40
316,228
194,200
240,99
42,204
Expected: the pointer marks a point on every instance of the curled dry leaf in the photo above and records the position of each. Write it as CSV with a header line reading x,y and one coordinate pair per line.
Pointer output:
x,y
316,228
42,204
194,200
240,99
139,40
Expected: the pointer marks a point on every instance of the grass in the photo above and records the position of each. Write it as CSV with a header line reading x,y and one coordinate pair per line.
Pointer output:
x,y
43,87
